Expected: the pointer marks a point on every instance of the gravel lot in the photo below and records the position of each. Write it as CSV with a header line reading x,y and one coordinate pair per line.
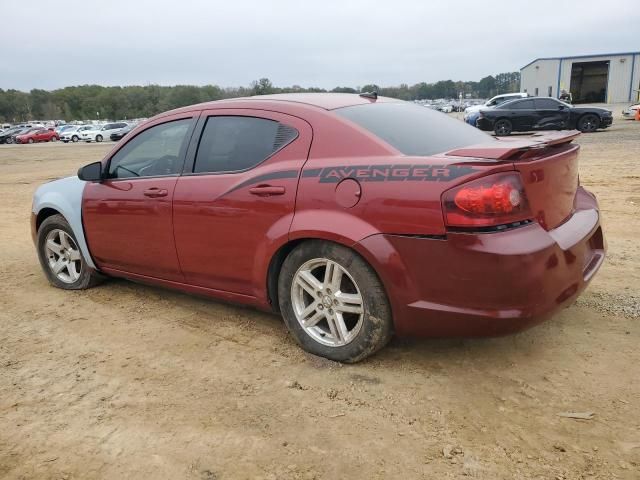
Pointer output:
x,y
132,381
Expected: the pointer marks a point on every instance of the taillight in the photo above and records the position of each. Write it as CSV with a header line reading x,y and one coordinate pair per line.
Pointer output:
x,y
497,199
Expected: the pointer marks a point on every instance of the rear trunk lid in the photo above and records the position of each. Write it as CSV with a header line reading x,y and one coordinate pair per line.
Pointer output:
x,y
548,165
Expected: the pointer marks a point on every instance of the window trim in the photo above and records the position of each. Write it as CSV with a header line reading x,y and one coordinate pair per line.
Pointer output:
x,y
182,155
190,162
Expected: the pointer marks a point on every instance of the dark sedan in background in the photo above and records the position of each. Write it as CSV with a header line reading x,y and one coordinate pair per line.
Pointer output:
x,y
542,114
116,136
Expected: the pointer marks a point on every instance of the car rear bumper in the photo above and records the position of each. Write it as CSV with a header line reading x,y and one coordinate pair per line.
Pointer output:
x,y
484,124
484,284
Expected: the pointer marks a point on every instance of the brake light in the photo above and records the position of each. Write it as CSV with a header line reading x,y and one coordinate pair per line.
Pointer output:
x,y
486,202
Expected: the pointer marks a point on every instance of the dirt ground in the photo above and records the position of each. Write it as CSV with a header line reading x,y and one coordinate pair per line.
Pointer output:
x,y
132,381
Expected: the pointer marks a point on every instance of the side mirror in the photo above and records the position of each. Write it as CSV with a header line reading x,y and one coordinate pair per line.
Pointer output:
x,y
91,172
561,107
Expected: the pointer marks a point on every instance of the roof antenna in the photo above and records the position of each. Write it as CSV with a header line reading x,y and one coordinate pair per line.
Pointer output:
x,y
371,95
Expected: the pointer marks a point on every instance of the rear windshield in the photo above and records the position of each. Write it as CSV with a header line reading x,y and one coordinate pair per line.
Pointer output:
x,y
413,129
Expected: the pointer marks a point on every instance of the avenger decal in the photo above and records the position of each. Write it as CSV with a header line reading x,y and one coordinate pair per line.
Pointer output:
x,y
390,173
370,173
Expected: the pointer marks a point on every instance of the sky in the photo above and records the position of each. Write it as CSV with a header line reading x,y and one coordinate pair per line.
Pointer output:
x,y
323,43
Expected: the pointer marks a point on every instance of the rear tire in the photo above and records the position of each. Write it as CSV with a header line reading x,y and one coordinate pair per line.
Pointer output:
x,y
503,127
588,123
347,314
61,258
9,141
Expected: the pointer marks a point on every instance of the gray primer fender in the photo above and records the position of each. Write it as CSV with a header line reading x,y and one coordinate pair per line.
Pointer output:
x,y
65,196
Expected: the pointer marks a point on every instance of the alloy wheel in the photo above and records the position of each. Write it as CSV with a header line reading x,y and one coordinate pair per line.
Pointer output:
x,y
63,255
503,128
589,123
327,302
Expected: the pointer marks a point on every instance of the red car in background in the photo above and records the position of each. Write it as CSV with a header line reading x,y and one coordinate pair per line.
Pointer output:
x,y
355,217
39,135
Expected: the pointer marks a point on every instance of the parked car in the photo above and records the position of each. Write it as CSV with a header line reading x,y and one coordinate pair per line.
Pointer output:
x,y
22,131
119,134
630,111
7,135
395,219
99,133
497,100
38,135
472,117
60,129
73,134
542,113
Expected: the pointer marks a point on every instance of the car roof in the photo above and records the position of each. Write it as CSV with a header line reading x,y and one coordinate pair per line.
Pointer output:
x,y
516,95
325,101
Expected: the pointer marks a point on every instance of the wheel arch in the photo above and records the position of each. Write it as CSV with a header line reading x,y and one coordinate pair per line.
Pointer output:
x,y
280,255
45,213
63,197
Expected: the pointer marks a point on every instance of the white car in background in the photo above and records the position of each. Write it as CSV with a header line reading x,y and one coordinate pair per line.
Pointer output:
x,y
630,111
101,132
497,100
73,134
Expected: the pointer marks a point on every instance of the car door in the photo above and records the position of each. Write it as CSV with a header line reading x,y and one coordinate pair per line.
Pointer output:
x,y
237,196
128,216
551,114
40,136
105,131
522,114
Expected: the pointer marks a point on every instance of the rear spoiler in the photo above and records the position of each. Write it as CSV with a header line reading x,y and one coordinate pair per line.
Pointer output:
x,y
513,148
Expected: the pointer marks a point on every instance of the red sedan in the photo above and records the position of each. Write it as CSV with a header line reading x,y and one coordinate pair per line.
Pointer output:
x,y
40,135
355,217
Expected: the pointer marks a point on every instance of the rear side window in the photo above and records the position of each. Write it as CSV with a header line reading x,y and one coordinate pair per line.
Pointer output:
x,y
518,105
413,129
234,143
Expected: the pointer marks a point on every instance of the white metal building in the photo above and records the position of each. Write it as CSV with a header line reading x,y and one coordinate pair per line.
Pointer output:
x,y
606,78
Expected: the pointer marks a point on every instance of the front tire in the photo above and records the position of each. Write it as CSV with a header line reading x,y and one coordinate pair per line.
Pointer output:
x,y
503,127
333,303
74,139
9,141
61,258
98,138
30,140
588,123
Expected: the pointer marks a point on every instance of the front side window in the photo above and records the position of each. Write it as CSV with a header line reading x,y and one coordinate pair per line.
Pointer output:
x,y
547,104
154,152
235,143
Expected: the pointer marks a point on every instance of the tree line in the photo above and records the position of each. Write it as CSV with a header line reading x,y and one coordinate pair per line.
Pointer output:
x,y
91,102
